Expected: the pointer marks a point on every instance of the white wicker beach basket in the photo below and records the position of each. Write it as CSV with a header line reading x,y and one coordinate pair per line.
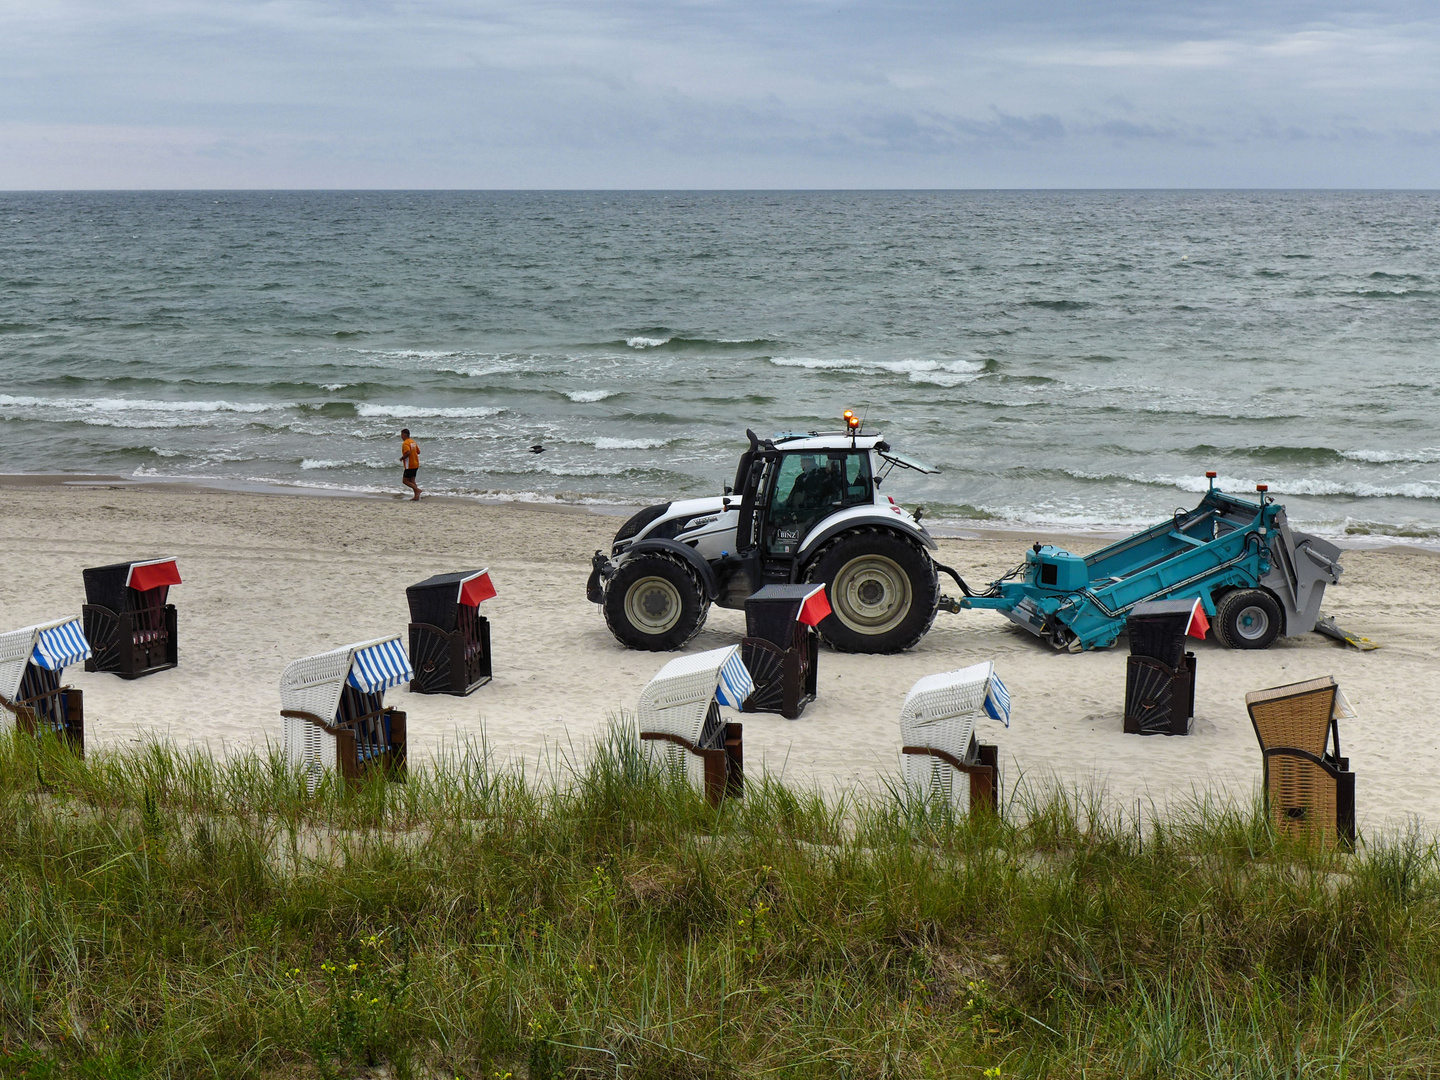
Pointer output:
x,y
940,713
676,702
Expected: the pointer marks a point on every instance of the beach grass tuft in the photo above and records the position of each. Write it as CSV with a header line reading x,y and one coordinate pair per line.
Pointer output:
x,y
168,913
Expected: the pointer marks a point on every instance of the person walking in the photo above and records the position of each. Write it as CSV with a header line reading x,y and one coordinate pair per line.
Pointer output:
x,y
410,457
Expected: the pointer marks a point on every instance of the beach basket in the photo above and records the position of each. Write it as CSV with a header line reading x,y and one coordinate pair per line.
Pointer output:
x,y
334,714
449,638
781,647
129,623
681,728
944,761
1159,673
32,663
1309,788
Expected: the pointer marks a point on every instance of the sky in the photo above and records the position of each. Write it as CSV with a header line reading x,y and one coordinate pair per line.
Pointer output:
x,y
718,94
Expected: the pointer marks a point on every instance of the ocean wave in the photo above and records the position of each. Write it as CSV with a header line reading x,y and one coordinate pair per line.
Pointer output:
x,y
416,354
309,464
1428,455
425,412
663,339
108,405
1390,294
1245,485
333,386
1058,305
1361,527
562,498
585,397
1275,455
629,444
136,423
1318,455
934,372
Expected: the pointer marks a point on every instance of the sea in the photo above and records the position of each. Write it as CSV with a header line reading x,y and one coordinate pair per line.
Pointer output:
x,y
1066,359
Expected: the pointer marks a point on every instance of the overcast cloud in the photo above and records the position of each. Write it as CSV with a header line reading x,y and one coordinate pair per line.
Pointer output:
x,y
707,93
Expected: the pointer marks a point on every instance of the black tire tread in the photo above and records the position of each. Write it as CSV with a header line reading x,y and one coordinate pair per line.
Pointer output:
x,y
812,568
696,584
1238,598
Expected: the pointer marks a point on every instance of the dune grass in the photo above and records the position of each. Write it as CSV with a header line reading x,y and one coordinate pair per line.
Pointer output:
x,y
168,914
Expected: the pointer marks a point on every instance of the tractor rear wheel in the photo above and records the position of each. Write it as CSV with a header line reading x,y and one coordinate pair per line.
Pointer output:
x,y
1248,619
653,602
883,591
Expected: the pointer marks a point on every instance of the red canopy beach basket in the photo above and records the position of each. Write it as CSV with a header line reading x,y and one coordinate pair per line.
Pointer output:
x,y
128,622
449,638
781,647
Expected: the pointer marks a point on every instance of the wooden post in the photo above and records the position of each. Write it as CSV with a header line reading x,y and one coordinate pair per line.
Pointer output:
x,y
734,761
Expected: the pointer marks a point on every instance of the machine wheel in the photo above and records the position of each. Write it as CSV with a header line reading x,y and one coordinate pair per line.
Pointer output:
x,y
1248,619
654,603
884,591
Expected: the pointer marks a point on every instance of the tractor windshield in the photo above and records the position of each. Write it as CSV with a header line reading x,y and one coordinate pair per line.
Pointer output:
x,y
809,486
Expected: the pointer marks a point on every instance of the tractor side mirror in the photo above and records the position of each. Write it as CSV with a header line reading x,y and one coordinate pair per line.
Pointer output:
x,y
728,490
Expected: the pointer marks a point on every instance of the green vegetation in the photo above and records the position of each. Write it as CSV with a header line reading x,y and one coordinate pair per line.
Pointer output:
x,y
166,914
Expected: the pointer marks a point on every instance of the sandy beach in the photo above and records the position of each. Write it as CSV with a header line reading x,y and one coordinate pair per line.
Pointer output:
x,y
273,577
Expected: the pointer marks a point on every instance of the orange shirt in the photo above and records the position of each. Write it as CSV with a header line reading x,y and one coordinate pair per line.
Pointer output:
x,y
410,453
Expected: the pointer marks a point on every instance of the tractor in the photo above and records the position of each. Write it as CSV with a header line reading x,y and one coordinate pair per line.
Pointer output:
x,y
803,508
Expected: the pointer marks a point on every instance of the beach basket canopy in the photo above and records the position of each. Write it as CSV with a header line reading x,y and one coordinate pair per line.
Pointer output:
x,y
678,698
105,585
435,600
1301,714
314,684
772,612
53,646
966,691
377,667
1157,625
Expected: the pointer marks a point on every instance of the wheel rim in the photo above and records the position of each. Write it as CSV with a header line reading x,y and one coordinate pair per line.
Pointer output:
x,y
652,605
871,594
1252,623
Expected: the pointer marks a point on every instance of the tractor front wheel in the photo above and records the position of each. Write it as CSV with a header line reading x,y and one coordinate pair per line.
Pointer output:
x,y
654,603
883,591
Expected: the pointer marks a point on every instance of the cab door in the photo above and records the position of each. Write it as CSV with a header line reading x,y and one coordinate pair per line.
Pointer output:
x,y
806,487
751,484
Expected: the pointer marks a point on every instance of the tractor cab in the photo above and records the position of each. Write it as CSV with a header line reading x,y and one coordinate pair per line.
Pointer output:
x,y
787,490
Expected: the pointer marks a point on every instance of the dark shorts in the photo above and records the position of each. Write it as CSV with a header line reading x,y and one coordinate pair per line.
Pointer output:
x,y
410,473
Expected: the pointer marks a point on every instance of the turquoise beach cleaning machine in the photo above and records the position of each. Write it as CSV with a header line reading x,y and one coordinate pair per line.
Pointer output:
x,y
1256,577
